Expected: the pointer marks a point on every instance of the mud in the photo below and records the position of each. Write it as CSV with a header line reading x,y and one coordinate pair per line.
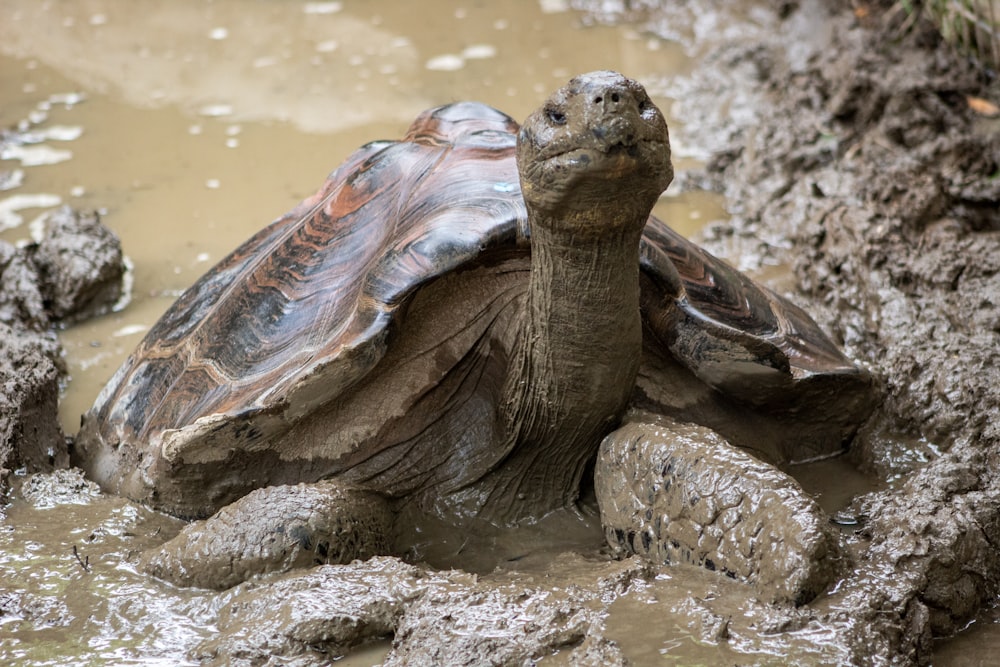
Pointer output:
x,y
437,617
81,268
846,152
30,437
860,163
74,271
582,609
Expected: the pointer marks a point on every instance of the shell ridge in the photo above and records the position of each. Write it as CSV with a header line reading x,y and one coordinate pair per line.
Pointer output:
x,y
330,320
368,305
455,231
251,256
415,257
325,322
197,337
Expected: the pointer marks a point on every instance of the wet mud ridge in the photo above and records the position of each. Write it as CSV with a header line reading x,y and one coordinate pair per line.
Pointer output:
x,y
863,164
73,271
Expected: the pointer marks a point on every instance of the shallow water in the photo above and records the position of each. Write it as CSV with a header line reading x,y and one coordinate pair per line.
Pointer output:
x,y
68,590
201,122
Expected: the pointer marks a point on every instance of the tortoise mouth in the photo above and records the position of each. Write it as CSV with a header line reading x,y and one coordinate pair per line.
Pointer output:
x,y
613,159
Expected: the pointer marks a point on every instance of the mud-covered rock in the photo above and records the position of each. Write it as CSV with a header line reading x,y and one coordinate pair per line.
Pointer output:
x,y
30,436
446,618
275,529
80,265
74,272
29,371
21,301
679,493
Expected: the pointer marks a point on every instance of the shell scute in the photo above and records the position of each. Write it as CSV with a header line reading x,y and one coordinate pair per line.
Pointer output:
x,y
322,279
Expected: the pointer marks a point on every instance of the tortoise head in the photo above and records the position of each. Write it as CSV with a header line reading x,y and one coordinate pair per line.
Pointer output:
x,y
598,150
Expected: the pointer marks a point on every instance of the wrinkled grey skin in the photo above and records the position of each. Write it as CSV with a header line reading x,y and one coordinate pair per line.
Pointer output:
x,y
275,529
592,161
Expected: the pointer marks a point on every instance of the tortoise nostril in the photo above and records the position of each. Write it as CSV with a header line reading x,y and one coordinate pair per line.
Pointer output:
x,y
614,97
598,100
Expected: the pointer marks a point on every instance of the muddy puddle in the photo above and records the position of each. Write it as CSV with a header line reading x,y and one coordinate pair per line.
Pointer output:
x,y
190,125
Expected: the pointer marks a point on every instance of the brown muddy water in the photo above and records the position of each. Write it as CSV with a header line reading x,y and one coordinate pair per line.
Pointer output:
x,y
190,125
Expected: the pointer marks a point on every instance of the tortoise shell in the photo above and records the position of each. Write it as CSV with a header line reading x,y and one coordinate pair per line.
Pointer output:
x,y
303,311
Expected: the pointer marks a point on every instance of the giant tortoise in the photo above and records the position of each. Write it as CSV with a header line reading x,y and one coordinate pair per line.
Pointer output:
x,y
453,323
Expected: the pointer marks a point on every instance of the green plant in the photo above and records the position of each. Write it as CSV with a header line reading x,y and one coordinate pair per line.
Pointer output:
x,y
971,25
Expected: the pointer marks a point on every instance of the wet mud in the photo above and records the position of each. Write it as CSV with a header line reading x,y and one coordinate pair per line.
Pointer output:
x,y
74,271
847,152
862,164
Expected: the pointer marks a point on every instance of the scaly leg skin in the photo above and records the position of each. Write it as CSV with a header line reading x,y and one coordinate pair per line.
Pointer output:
x,y
274,529
679,493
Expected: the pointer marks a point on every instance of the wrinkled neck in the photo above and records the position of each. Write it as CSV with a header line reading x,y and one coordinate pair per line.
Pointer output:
x,y
579,339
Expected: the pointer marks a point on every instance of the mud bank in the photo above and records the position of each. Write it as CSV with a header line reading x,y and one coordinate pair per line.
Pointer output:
x,y
75,270
850,152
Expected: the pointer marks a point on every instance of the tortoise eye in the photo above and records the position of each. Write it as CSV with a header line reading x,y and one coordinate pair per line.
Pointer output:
x,y
556,116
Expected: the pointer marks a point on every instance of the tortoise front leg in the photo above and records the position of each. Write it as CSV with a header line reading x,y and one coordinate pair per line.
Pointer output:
x,y
679,493
275,529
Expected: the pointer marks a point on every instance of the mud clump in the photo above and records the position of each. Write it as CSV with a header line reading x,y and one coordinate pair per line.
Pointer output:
x,y
21,301
316,616
60,487
449,618
30,436
80,266
75,271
